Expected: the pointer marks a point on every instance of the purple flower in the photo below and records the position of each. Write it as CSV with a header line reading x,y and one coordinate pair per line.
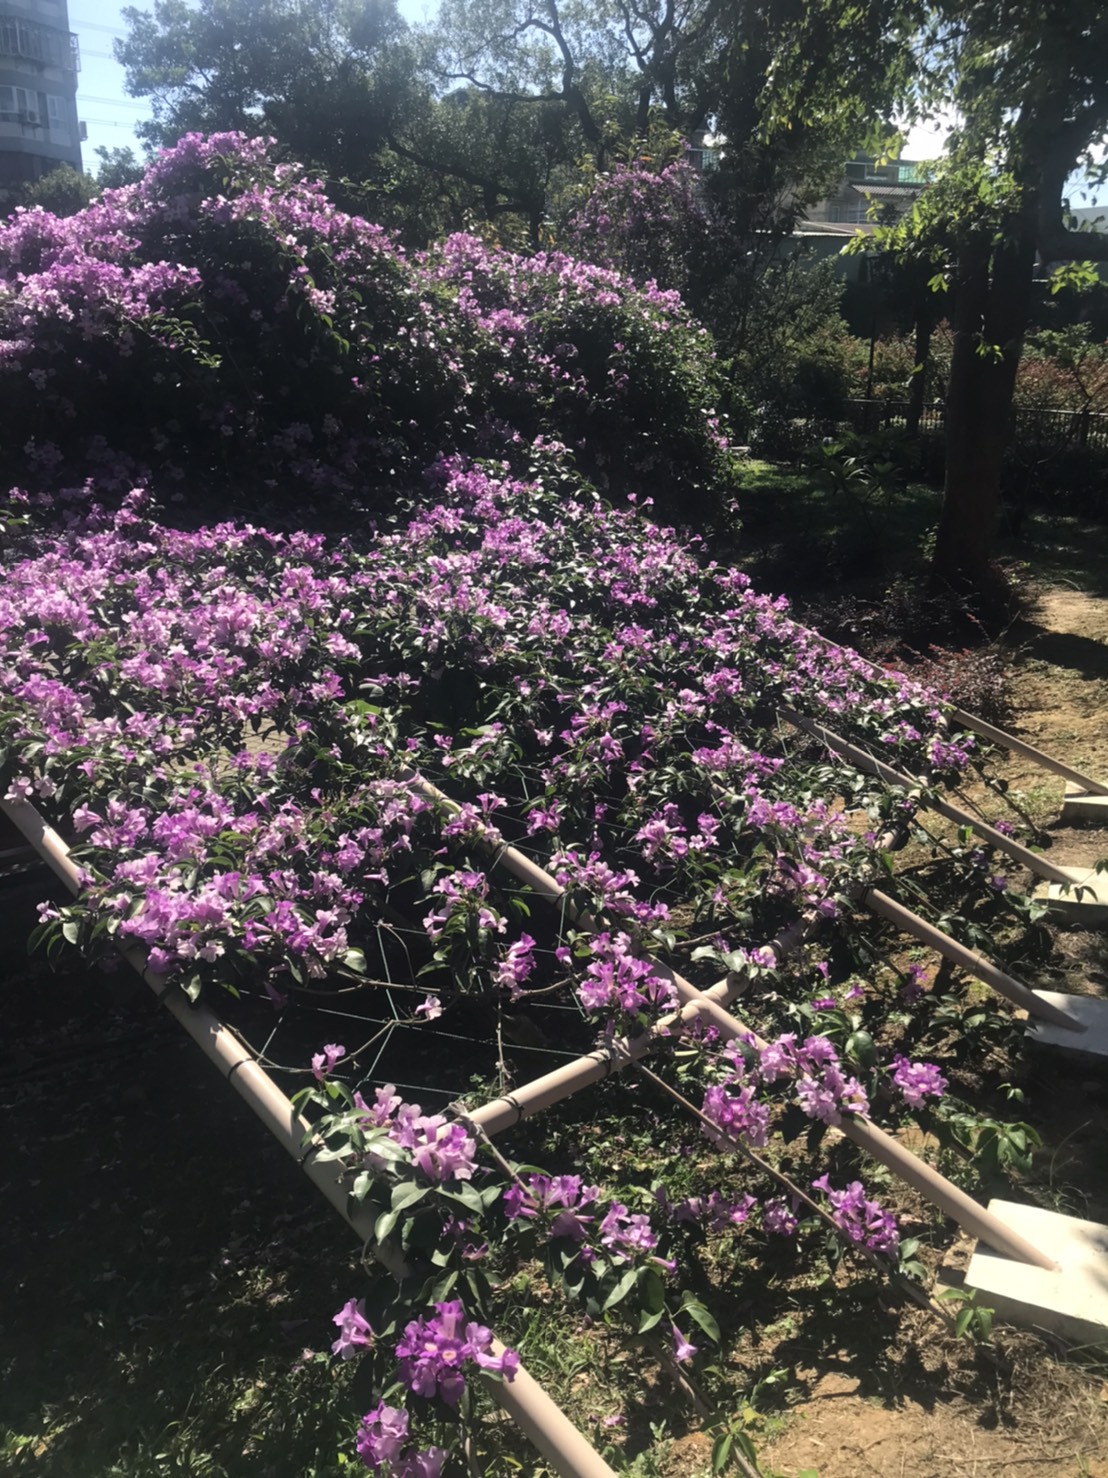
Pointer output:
x,y
430,1009
861,1220
442,1150
433,1353
382,1434
355,1332
739,1115
778,1219
324,1062
916,1081
682,1349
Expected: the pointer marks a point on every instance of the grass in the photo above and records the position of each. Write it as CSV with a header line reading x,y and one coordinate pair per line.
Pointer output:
x,y
802,528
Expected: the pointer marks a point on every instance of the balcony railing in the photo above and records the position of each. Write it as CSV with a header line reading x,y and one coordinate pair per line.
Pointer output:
x,y
36,43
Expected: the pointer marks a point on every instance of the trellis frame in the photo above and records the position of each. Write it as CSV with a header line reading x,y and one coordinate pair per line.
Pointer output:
x,y
524,1400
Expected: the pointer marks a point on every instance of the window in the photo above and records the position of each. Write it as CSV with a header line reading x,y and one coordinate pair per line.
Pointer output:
x,y
19,103
55,109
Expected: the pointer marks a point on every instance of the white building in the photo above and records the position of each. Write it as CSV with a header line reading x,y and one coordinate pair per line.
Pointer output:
x,y
39,63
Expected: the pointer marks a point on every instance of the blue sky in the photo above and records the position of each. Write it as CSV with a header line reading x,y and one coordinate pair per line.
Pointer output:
x,y
101,101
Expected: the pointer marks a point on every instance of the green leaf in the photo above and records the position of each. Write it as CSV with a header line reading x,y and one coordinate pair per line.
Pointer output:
x,y
653,1292
963,1320
385,1225
860,1048
621,1290
721,1451
700,1315
407,1194
71,931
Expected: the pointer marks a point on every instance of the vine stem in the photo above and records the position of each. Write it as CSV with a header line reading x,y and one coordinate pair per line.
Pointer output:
x,y
901,1280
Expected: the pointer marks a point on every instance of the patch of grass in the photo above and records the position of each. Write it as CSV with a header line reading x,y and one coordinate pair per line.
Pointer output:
x,y
801,530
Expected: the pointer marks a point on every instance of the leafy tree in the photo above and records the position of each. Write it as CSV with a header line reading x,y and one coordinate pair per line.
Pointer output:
x,y
117,167
63,192
1030,82
316,75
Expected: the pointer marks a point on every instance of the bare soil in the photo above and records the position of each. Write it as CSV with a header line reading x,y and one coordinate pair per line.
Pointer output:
x,y
922,1407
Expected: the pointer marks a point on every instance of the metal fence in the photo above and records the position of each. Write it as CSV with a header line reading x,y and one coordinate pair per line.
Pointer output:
x,y
1030,426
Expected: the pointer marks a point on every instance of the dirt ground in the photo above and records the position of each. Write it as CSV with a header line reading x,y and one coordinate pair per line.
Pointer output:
x,y
1034,1414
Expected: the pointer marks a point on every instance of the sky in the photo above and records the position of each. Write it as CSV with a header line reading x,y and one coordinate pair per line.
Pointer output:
x,y
101,102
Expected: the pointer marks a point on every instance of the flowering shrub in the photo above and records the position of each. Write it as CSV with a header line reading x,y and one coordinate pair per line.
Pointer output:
x,y
508,612
619,374
654,225
228,323
234,727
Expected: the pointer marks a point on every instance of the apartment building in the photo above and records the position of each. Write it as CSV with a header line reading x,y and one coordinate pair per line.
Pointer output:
x,y
39,63
869,192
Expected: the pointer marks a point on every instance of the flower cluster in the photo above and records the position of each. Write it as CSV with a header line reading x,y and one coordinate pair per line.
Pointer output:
x,y
862,1220
822,1089
617,981
916,1081
194,310
652,224
435,1352
438,1147
384,1448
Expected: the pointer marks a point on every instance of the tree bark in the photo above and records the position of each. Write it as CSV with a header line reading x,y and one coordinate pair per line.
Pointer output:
x,y
990,318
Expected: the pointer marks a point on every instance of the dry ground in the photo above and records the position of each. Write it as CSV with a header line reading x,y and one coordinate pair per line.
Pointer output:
x,y
1034,1415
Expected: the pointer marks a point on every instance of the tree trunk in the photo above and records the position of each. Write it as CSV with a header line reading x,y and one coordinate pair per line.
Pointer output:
x,y
990,318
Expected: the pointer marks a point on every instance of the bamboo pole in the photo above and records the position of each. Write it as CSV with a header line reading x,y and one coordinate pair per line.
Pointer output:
x,y
1028,751
566,1080
871,765
968,959
548,1427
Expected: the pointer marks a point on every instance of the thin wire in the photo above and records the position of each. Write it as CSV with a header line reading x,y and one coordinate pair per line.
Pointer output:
x,y
915,1291
75,21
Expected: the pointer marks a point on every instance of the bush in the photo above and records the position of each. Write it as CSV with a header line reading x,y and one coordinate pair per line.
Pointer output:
x,y
652,225
577,353
233,328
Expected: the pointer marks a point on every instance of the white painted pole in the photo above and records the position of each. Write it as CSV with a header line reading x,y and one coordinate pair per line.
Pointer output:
x,y
548,1427
952,1201
871,765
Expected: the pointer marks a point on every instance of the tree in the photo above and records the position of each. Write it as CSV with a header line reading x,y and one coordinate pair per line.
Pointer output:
x,y
316,75
117,167
63,192
1030,82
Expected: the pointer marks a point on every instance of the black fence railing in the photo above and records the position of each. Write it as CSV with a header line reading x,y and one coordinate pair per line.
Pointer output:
x,y
1030,426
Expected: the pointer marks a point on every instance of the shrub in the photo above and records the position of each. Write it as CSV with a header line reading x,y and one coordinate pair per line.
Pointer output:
x,y
652,225
231,326
577,353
